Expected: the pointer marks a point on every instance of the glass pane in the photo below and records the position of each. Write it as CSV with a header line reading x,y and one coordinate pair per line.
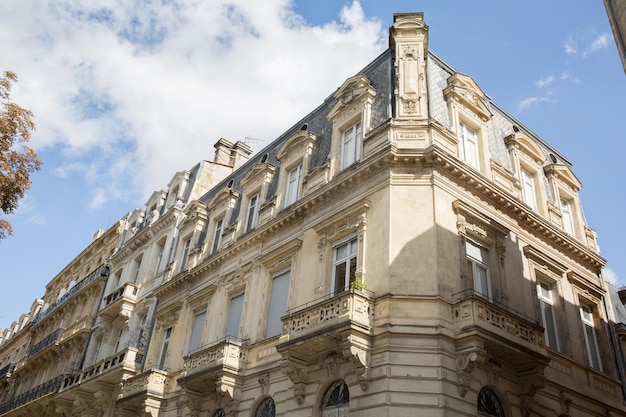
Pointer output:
x,y
548,317
196,333
341,252
594,355
482,280
278,304
340,278
234,316
352,272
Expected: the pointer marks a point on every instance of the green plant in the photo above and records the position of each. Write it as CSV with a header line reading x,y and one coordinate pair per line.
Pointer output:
x,y
358,285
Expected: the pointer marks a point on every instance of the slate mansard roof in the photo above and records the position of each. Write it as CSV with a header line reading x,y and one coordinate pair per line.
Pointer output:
x,y
380,74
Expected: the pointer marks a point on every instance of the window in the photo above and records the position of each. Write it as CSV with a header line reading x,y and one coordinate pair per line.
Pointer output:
x,y
278,304
478,267
469,145
566,213
217,236
253,213
293,185
166,343
220,413
185,257
590,337
137,269
350,144
336,402
489,404
159,258
266,409
528,189
118,340
234,316
546,305
196,332
344,265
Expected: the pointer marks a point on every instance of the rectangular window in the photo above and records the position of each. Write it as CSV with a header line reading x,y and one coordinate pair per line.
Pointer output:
x,y
185,257
350,145
591,342
528,189
344,265
217,236
546,305
568,220
278,304
253,212
137,269
234,316
293,185
118,341
196,332
166,343
159,258
469,144
478,266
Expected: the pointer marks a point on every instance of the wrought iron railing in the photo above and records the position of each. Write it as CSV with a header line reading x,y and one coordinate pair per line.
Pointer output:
x,y
101,271
46,388
105,365
7,370
46,341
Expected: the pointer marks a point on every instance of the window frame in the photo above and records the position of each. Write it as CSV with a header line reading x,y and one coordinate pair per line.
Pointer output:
x,y
194,346
252,213
549,324
293,194
463,139
351,256
230,321
529,188
274,323
217,235
567,215
591,346
349,156
184,258
474,264
167,336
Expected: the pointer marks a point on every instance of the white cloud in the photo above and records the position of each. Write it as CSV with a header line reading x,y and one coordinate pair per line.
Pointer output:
x,y
132,92
571,47
600,42
565,76
611,276
531,101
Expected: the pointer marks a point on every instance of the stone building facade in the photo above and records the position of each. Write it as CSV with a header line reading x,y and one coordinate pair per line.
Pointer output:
x,y
406,248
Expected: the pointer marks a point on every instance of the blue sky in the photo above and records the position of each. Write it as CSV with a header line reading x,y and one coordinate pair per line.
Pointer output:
x,y
127,93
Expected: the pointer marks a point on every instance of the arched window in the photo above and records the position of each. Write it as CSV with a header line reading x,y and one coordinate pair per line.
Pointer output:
x,y
266,409
220,413
489,404
336,401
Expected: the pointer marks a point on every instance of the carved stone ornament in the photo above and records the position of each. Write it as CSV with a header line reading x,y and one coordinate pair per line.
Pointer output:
x,y
298,375
465,363
332,363
359,356
566,400
264,384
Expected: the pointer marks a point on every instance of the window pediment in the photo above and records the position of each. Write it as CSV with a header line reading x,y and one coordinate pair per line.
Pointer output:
x,y
225,198
257,175
354,90
564,174
471,221
464,90
299,144
526,146
194,212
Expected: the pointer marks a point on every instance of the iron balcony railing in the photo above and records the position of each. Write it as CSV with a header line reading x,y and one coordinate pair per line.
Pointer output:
x,y
46,341
46,388
101,271
127,357
7,370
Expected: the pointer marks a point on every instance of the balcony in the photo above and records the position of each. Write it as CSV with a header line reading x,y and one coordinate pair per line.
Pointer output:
x,y
145,392
98,273
51,386
119,302
111,370
504,333
7,370
318,327
215,366
52,338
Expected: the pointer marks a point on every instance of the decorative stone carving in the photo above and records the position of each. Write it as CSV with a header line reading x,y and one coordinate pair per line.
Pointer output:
x,y
264,384
360,357
298,376
332,363
465,363
566,400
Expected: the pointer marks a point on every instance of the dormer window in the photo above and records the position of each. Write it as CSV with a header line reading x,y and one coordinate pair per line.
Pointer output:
x,y
294,182
253,213
217,236
528,189
350,145
469,145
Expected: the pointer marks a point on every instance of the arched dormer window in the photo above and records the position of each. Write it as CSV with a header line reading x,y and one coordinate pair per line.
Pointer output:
x,y
294,156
